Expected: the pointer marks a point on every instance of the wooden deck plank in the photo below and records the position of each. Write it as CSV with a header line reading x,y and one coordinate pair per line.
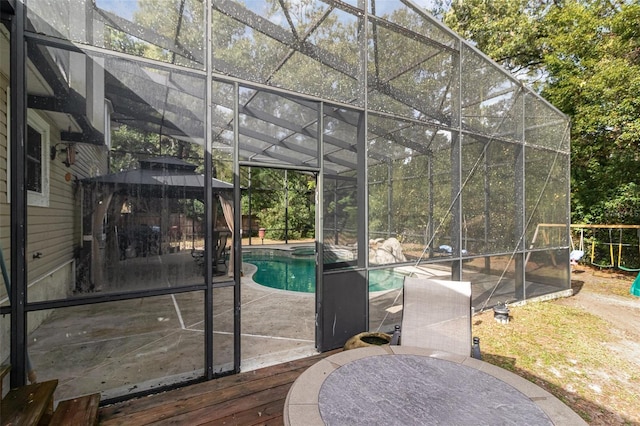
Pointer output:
x,y
254,397
187,404
28,404
228,408
270,413
141,404
158,400
77,411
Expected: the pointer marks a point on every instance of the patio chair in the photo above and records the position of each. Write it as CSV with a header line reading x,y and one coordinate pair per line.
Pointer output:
x,y
221,250
436,314
220,253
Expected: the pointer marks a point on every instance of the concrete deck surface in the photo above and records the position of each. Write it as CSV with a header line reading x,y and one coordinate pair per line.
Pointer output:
x,y
128,346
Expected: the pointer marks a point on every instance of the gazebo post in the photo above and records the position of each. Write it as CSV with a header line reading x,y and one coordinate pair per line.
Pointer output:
x,y
97,258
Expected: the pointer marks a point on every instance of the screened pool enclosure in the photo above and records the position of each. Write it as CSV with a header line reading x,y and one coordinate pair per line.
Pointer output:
x,y
129,131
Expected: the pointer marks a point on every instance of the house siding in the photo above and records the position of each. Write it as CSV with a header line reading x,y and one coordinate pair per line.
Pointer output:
x,y
54,231
50,234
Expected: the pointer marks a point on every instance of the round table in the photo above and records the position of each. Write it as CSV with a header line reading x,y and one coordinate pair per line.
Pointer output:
x,y
400,385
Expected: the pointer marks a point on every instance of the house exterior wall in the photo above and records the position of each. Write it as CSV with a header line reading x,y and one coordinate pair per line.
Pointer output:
x,y
50,237
53,231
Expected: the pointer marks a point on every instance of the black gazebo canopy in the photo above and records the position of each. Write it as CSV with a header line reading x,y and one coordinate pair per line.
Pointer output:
x,y
160,177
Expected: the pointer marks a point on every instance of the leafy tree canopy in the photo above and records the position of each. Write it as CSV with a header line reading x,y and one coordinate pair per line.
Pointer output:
x,y
584,57
281,201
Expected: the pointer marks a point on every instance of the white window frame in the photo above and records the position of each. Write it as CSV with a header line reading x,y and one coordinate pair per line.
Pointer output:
x,y
40,199
34,120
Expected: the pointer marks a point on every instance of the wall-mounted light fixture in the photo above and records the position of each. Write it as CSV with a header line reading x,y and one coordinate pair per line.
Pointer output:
x,y
68,150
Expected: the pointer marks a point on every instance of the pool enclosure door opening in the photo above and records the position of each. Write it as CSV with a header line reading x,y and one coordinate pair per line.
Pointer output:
x,y
278,131
303,138
278,265
279,299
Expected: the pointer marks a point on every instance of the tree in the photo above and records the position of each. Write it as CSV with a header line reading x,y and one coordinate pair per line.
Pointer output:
x,y
282,202
584,57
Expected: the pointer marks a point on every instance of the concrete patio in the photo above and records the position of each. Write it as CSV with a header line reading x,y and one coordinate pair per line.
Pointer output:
x,y
128,346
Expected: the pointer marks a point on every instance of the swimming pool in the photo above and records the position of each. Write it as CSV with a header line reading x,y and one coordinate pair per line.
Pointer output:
x,y
296,272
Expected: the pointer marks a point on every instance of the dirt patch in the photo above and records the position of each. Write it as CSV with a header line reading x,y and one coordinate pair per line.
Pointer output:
x,y
585,349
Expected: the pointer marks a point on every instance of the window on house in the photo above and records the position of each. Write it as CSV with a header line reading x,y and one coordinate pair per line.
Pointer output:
x,y
34,160
37,161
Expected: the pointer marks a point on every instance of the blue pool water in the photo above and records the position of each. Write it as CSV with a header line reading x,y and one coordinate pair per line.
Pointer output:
x,y
297,273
